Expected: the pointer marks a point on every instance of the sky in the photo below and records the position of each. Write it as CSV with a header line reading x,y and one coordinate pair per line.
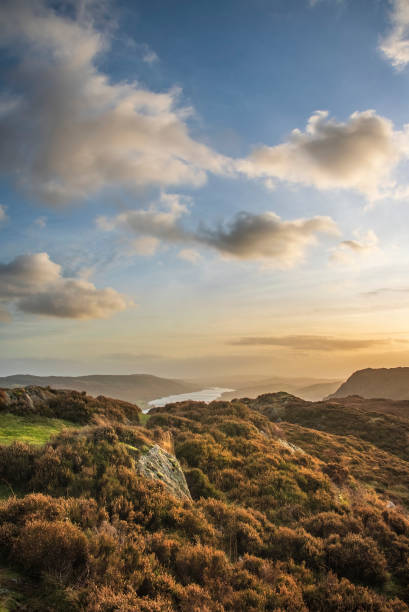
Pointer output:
x,y
204,189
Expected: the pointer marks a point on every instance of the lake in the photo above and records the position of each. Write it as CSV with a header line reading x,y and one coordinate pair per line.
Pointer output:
x,y
205,395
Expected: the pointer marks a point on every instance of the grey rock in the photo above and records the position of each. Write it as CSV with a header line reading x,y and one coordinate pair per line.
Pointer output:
x,y
157,464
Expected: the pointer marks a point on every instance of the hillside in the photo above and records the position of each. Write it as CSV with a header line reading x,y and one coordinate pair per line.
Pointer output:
x,y
306,388
130,388
384,424
232,506
390,383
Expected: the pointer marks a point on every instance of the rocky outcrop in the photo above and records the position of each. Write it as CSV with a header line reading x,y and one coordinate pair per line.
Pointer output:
x,y
290,447
75,406
25,398
157,464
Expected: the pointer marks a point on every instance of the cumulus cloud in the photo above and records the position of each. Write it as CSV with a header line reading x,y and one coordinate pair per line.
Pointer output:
x,y
395,46
34,284
67,131
311,343
161,220
74,299
358,154
264,236
351,251
26,273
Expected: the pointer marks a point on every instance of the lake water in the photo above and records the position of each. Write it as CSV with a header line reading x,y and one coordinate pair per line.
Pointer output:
x,y
206,395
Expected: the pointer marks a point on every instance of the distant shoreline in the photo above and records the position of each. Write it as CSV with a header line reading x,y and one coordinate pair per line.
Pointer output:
x,y
205,395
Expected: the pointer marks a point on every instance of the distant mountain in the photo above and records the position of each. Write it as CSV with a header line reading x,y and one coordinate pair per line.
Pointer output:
x,y
131,388
390,383
307,388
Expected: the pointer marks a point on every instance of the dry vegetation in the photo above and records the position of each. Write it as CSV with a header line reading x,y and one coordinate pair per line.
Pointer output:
x,y
283,518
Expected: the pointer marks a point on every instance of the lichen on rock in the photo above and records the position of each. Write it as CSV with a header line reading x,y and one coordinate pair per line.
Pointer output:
x,y
157,464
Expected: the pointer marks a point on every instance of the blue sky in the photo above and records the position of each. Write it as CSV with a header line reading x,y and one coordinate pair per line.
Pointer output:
x,y
158,211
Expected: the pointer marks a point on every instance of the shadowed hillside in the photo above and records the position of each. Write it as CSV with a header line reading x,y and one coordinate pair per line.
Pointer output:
x,y
390,383
307,388
131,388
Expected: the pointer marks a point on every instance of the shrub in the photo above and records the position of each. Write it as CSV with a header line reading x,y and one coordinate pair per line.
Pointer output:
x,y
58,548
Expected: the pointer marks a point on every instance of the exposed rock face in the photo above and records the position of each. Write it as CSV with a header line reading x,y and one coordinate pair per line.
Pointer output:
x,y
158,464
291,447
28,398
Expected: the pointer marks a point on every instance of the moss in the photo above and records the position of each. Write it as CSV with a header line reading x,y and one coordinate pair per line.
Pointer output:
x,y
30,429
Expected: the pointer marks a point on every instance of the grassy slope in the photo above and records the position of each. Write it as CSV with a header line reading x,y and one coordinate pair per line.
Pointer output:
x,y
32,430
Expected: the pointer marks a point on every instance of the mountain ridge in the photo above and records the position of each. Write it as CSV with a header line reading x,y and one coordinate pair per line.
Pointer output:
x,y
391,383
127,387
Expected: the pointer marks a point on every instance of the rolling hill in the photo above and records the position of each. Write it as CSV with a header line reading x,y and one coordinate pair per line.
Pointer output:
x,y
130,388
307,388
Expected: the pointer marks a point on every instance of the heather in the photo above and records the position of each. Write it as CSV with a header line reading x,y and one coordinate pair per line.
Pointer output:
x,y
282,516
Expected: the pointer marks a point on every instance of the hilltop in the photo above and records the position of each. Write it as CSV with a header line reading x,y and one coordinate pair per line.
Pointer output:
x,y
306,388
390,383
130,388
251,505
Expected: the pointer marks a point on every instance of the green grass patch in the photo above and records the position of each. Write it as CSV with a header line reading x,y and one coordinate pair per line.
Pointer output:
x,y
32,430
144,418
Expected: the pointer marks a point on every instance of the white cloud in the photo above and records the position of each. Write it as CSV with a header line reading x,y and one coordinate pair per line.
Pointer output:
x,y
149,56
247,236
160,220
74,299
3,215
67,131
190,255
34,284
351,251
146,245
395,46
41,222
359,154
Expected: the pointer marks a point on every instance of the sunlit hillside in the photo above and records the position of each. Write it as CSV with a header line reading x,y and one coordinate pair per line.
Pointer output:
x,y
227,506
